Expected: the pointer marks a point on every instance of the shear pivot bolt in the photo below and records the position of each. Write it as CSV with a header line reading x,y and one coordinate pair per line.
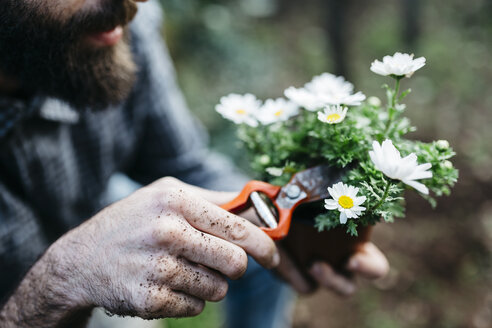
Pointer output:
x,y
293,191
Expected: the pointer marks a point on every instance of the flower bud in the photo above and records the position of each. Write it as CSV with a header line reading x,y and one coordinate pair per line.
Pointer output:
x,y
264,159
447,164
442,144
374,101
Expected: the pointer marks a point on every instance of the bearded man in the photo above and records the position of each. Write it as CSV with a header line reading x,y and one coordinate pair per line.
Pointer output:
x,y
85,94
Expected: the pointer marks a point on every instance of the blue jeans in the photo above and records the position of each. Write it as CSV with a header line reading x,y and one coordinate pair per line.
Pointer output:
x,y
259,300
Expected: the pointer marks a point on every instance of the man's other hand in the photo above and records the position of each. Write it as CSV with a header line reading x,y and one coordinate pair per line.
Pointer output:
x,y
369,263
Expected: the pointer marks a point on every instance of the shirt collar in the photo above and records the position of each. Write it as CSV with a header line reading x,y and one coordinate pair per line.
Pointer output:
x,y
12,111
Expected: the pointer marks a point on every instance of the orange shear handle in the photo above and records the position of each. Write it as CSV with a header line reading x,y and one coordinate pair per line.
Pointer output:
x,y
240,203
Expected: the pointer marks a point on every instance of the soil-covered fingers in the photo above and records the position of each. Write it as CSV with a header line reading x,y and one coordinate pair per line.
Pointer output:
x,y
369,262
162,302
180,239
183,276
326,277
216,221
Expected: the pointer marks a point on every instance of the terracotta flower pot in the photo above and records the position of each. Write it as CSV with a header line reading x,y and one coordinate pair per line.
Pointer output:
x,y
306,244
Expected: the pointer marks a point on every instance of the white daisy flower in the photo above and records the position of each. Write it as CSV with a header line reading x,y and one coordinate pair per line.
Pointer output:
x,y
325,89
388,160
346,201
333,114
334,90
276,110
399,65
303,98
239,108
329,83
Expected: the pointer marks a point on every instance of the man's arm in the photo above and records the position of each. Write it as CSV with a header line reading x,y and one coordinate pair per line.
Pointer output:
x,y
161,252
47,296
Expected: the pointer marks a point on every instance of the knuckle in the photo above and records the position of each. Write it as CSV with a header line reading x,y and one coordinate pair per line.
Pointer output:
x,y
153,197
165,183
168,196
168,181
168,233
171,271
239,231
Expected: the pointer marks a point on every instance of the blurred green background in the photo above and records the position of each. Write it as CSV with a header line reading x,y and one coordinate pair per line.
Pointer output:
x,y
441,272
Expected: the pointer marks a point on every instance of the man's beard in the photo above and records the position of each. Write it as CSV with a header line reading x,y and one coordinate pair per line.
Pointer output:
x,y
48,57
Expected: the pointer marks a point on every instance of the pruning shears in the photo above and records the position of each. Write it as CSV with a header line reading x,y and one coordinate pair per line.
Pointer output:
x,y
305,186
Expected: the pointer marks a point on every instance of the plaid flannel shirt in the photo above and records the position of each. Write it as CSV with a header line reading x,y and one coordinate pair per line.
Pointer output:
x,y
55,162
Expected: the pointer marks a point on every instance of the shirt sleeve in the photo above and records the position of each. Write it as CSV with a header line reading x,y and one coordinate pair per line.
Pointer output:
x,y
172,142
21,242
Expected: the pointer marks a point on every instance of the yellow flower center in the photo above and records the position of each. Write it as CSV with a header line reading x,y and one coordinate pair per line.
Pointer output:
x,y
332,117
346,202
240,111
278,113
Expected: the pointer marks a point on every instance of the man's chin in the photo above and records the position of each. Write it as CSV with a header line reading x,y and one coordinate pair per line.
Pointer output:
x,y
97,78
86,62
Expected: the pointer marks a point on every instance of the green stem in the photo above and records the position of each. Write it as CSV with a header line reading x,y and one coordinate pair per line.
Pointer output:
x,y
392,109
397,91
383,198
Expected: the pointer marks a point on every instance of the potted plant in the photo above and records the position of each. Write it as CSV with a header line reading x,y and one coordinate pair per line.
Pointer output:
x,y
326,122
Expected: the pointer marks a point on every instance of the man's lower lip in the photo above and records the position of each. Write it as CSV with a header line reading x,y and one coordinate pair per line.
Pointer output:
x,y
107,38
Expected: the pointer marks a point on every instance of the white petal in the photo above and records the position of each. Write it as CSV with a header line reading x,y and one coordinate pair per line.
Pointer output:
x,y
417,185
331,204
360,200
340,189
375,160
350,214
343,218
333,193
419,175
351,192
358,208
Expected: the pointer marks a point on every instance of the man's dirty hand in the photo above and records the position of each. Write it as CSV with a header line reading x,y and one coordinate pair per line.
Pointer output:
x,y
161,252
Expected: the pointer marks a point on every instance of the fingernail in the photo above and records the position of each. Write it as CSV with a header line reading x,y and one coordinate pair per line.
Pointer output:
x,y
353,264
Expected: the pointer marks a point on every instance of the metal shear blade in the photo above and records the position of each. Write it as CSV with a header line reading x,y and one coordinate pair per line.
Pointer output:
x,y
306,186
